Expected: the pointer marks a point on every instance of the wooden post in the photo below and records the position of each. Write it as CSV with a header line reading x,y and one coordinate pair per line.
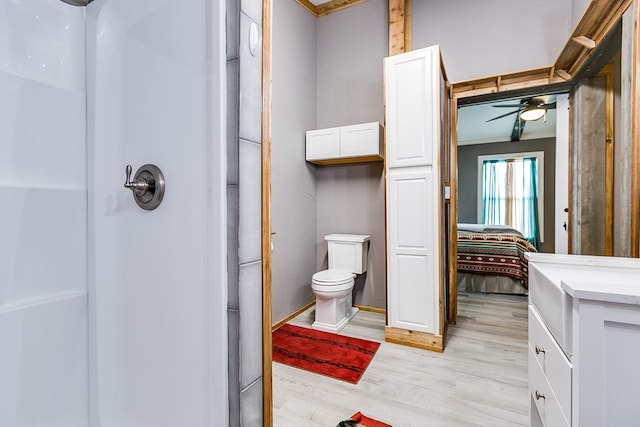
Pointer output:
x,y
399,26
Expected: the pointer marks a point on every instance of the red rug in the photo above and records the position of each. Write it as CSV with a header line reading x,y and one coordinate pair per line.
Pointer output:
x,y
337,356
365,421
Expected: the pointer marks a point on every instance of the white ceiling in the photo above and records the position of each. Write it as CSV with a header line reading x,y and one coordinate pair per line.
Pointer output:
x,y
473,127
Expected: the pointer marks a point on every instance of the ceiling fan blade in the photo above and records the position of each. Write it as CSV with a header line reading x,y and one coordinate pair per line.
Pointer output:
x,y
503,115
550,106
509,106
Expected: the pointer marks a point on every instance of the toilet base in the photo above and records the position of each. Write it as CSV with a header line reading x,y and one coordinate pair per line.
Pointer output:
x,y
334,314
326,327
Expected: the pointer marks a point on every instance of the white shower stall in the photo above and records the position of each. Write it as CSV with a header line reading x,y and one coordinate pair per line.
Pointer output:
x,y
111,315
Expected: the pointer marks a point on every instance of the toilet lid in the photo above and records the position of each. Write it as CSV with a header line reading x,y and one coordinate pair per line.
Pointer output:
x,y
332,276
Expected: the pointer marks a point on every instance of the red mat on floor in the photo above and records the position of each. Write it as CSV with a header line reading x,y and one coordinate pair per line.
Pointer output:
x,y
365,421
337,356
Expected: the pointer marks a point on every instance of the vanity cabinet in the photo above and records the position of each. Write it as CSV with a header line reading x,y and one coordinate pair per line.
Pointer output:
x,y
415,91
549,376
345,144
584,340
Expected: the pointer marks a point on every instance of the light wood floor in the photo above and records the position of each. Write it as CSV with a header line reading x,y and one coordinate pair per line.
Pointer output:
x,y
479,380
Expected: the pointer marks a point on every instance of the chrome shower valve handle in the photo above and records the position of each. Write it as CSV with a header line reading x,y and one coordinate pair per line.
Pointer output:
x,y
147,185
139,186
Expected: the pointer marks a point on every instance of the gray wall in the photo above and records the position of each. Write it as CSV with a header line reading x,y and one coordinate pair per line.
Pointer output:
x,y
468,180
351,46
293,186
482,38
351,200
578,8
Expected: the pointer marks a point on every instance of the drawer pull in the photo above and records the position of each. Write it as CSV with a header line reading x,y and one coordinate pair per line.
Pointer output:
x,y
540,395
540,350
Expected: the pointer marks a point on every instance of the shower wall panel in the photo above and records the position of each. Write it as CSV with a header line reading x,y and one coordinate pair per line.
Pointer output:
x,y
43,215
157,279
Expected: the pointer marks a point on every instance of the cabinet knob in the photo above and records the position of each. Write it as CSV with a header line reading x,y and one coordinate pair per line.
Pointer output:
x,y
539,395
539,350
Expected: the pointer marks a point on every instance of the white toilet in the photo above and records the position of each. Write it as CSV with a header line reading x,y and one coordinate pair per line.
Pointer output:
x,y
347,258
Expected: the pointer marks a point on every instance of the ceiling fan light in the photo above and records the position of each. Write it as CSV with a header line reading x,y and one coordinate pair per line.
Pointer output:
x,y
532,113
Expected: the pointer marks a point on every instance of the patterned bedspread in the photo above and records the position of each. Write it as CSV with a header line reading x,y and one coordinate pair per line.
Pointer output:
x,y
499,253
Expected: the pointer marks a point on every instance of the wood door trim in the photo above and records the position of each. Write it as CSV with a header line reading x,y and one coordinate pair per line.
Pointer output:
x,y
607,73
453,210
267,380
570,178
635,134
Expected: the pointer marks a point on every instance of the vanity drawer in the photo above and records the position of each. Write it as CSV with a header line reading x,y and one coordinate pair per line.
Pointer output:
x,y
546,402
552,362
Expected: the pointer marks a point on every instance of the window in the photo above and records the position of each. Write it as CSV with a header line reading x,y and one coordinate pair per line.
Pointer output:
x,y
511,192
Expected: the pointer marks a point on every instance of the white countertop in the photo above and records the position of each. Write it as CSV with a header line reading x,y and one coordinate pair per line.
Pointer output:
x,y
587,260
611,279
617,292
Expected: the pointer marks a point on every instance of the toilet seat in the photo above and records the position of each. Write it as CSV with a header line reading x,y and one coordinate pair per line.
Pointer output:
x,y
332,280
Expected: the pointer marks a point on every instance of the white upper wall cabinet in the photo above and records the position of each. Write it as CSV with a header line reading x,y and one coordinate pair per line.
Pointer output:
x,y
346,144
415,275
323,144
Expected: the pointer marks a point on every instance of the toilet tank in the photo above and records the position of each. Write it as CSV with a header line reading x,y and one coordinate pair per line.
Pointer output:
x,y
348,252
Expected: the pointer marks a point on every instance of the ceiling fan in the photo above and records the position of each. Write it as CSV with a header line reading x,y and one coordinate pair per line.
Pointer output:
x,y
530,109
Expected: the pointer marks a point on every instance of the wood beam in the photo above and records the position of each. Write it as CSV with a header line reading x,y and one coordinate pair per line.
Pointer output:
x,y
336,5
563,73
408,25
585,41
309,6
508,82
599,18
398,26
552,72
328,7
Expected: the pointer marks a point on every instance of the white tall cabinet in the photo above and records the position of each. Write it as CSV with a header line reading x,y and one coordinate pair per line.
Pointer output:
x,y
415,91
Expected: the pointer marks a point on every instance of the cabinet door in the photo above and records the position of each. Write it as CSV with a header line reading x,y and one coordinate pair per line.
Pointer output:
x,y
606,348
412,256
360,140
412,117
323,144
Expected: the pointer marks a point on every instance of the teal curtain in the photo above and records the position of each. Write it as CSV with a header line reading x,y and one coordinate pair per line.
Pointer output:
x,y
531,225
494,192
523,191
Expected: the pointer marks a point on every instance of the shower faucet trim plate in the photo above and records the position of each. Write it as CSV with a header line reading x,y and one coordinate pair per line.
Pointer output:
x,y
147,185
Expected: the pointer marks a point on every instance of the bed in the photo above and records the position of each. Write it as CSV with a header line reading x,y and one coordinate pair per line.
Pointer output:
x,y
491,259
